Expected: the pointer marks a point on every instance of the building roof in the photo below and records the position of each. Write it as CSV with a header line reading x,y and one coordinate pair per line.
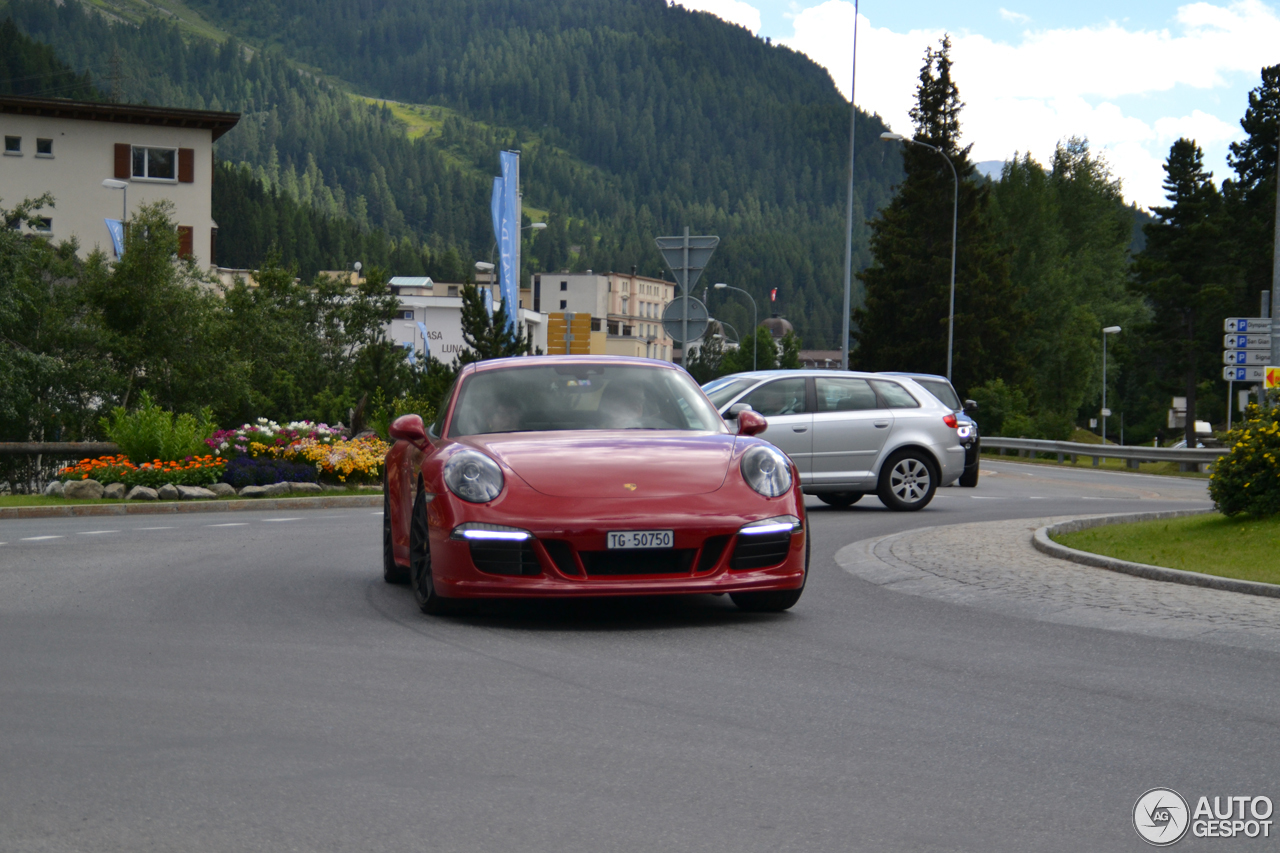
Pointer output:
x,y
777,326
217,122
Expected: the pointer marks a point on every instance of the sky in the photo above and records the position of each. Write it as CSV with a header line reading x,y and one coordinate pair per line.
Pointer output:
x,y
1131,76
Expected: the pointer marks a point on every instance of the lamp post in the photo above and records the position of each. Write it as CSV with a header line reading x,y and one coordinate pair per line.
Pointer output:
x,y
848,235
955,219
113,184
754,320
1107,330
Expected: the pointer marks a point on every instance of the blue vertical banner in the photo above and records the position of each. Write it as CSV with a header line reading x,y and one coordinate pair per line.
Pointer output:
x,y
495,208
116,229
426,341
509,234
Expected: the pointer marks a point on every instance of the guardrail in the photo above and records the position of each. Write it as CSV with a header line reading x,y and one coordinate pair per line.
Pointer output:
x,y
1190,459
61,448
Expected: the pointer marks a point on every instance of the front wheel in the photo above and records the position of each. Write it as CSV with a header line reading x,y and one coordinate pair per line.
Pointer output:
x,y
840,500
774,601
907,481
392,572
420,580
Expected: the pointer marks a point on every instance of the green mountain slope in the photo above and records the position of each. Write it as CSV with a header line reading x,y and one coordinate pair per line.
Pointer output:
x,y
634,118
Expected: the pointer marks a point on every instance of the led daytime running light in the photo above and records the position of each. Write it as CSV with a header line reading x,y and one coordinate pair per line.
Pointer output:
x,y
788,523
478,531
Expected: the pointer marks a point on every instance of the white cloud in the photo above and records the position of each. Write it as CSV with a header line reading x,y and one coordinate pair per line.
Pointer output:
x,y
1061,82
734,11
1014,17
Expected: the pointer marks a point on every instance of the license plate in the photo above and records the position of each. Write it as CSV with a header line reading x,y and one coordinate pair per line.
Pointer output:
x,y
624,539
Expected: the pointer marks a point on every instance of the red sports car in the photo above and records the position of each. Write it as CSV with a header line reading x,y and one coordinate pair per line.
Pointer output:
x,y
589,476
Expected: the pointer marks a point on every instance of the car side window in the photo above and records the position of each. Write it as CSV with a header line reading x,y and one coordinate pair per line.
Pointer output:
x,y
844,394
437,428
780,397
895,396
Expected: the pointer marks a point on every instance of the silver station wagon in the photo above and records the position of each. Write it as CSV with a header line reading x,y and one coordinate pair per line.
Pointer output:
x,y
852,434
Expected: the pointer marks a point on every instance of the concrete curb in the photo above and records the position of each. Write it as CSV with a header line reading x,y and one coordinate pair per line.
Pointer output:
x,y
1045,545
171,507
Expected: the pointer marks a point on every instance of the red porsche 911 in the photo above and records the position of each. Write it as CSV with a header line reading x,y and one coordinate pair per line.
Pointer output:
x,y
565,476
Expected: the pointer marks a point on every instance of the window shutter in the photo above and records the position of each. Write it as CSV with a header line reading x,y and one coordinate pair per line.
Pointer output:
x,y
124,161
213,246
186,165
186,235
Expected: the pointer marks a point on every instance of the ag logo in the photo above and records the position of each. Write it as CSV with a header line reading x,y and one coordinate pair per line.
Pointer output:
x,y
1160,816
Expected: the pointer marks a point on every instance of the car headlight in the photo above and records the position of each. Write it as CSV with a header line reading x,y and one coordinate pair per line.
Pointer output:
x,y
472,476
767,471
962,431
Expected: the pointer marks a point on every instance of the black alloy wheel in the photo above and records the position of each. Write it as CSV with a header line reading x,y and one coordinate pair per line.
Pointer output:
x,y
840,500
907,481
420,580
392,572
774,601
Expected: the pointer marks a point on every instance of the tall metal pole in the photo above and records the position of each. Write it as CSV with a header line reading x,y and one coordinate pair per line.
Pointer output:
x,y
684,322
848,236
1104,387
955,221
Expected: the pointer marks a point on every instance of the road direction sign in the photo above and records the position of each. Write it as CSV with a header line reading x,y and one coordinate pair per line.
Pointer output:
x,y
1247,342
1244,374
1271,379
1246,356
1247,325
674,323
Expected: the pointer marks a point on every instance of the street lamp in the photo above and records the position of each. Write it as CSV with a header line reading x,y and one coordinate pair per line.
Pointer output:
x,y
848,234
955,218
754,318
1106,330
113,184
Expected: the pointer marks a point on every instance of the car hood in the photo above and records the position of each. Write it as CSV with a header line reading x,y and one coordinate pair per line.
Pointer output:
x,y
614,463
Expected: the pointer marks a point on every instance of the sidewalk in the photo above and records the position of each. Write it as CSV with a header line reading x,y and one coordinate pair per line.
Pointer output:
x,y
993,566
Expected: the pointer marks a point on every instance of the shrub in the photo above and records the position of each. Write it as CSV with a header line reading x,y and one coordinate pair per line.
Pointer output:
x,y
1002,410
149,432
244,471
1247,480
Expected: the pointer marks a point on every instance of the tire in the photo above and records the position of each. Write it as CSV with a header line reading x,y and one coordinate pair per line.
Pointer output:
x,y
774,601
969,478
420,579
907,481
392,572
840,500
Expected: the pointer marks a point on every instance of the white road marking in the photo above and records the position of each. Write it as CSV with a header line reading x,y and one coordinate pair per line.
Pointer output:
x,y
283,519
38,538
153,528
230,524
96,532
986,497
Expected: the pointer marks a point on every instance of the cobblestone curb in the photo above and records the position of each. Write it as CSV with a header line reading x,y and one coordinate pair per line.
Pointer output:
x,y
1044,544
172,507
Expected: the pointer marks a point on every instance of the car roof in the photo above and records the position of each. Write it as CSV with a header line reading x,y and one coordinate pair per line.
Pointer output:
x,y
914,375
535,361
804,371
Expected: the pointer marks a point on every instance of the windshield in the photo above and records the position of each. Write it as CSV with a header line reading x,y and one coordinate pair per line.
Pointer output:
x,y
722,391
581,396
943,391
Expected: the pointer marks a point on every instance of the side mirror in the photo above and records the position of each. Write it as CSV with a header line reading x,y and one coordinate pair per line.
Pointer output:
x,y
971,405
737,409
409,428
750,423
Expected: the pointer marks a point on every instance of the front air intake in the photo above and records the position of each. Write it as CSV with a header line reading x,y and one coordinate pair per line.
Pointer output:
x,y
760,551
505,558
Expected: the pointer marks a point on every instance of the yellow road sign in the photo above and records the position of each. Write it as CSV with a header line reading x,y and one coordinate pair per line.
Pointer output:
x,y
568,333
1272,378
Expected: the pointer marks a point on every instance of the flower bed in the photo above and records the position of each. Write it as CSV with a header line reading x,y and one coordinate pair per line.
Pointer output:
x,y
329,453
244,471
192,471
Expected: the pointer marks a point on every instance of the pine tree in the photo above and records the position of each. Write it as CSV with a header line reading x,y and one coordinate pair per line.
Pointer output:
x,y
1184,275
489,336
1250,199
903,324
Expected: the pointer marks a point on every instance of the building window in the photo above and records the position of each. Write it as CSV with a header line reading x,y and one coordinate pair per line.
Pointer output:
x,y
564,303
44,225
564,285
595,324
406,315
453,290
158,163
13,145
44,147
614,329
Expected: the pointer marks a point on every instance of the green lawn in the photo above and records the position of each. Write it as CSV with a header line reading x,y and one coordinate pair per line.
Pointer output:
x,y
1244,548
40,500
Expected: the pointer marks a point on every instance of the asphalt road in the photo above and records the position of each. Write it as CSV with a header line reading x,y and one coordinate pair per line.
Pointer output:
x,y
246,682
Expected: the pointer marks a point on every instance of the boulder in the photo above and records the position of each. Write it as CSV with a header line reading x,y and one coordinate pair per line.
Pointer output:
x,y
253,491
310,488
167,492
114,491
82,490
195,493
53,490
141,493
276,490
223,490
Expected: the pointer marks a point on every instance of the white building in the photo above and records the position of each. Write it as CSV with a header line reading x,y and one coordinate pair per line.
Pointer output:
x,y
429,318
625,310
67,149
